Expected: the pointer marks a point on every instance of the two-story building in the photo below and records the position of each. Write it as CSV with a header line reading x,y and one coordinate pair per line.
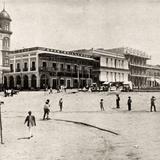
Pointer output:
x,y
39,67
153,73
113,67
137,61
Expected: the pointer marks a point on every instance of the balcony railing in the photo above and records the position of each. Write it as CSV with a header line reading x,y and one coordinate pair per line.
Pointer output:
x,y
139,65
25,69
65,72
18,69
33,68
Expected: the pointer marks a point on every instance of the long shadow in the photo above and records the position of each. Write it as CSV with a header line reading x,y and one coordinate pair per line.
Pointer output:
x,y
23,138
89,125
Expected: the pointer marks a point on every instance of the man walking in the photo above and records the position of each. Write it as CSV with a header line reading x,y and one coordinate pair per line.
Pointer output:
x,y
153,104
30,120
46,110
117,101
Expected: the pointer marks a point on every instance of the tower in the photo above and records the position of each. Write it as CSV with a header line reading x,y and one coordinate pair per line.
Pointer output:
x,y
5,34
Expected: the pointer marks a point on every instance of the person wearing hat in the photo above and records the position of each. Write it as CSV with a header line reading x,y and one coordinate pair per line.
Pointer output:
x,y
30,120
46,109
129,103
153,104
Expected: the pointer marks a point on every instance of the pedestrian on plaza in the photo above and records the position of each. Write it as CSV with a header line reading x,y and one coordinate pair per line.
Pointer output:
x,y
46,110
101,105
153,104
58,88
61,104
30,120
129,103
117,101
50,90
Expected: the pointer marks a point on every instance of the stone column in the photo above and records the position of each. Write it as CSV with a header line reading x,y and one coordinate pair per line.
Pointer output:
x,y
29,81
37,62
29,63
14,64
38,81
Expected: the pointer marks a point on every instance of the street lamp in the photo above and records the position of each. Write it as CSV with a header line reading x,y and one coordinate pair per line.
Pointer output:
x,y
1,102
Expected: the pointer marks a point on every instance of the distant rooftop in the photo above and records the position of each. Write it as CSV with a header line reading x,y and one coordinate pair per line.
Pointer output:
x,y
73,53
130,51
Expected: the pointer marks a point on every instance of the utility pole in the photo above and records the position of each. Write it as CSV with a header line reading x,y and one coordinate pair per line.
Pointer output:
x,y
1,102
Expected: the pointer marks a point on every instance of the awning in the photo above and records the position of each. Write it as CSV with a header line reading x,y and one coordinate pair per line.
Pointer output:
x,y
106,82
157,80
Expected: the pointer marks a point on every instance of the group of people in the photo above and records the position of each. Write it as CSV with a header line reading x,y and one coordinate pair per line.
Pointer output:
x,y
129,102
47,108
31,121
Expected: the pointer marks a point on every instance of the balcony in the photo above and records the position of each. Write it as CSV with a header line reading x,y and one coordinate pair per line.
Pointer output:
x,y
33,68
25,69
18,69
139,65
47,69
139,75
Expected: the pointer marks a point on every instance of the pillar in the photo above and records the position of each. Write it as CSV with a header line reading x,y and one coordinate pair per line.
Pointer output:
x,y
38,81
29,63
29,81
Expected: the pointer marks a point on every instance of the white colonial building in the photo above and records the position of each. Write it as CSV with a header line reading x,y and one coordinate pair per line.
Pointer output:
x,y
113,66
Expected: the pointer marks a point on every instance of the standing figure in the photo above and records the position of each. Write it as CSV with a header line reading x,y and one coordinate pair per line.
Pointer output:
x,y
101,105
153,103
46,109
50,91
30,119
129,103
117,101
61,104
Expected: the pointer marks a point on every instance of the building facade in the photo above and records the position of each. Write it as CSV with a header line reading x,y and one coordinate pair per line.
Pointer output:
x,y
37,67
113,66
137,61
5,33
153,73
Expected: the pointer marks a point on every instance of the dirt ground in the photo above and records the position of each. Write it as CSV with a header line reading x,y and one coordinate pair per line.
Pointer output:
x,y
138,131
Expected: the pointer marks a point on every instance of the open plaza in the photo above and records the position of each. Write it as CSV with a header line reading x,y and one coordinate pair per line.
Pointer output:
x,y
119,134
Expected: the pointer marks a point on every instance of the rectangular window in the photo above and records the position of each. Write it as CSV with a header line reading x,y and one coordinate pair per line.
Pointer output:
x,y
122,64
44,64
11,67
61,66
54,65
33,67
106,61
68,67
75,68
18,66
25,65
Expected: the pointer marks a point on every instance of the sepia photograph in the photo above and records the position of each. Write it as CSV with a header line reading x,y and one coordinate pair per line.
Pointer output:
x,y
79,80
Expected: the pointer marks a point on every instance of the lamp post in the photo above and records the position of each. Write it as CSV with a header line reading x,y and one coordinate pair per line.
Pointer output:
x,y
1,102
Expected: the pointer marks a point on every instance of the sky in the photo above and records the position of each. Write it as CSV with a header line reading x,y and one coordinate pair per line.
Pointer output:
x,y
78,24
